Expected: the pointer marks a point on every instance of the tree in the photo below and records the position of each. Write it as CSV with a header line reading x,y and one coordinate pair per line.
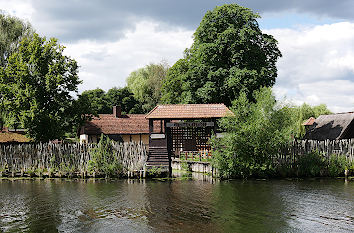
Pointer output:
x,y
12,30
100,102
97,100
304,112
252,136
229,55
37,86
145,83
124,98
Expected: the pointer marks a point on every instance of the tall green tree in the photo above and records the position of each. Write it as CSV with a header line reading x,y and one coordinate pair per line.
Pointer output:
x,y
12,30
97,100
145,83
229,55
101,102
37,86
125,98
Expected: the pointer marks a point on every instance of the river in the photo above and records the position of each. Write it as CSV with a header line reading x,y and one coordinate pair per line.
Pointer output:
x,y
181,205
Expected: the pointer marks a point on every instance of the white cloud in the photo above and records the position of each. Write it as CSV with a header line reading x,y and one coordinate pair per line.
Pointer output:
x,y
106,65
20,8
317,65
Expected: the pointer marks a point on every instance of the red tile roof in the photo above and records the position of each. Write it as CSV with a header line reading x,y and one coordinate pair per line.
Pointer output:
x,y
109,124
309,121
189,111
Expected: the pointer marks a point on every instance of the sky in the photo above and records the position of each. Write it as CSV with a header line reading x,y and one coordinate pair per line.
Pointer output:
x,y
109,39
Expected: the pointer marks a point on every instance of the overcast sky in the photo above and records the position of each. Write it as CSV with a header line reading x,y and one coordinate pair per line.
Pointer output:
x,y
111,38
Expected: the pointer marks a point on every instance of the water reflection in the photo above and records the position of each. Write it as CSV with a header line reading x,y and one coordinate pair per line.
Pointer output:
x,y
179,205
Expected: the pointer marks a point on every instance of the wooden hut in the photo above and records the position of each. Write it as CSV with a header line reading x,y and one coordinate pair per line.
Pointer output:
x,y
183,127
332,127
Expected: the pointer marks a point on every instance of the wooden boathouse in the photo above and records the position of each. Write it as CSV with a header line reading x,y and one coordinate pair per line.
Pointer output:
x,y
182,128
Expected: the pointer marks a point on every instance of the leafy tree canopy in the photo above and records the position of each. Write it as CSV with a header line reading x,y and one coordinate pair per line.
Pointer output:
x,y
37,85
145,83
254,134
97,100
101,102
304,112
12,30
229,55
125,98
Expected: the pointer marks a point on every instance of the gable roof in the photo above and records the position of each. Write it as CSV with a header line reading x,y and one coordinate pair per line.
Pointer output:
x,y
189,111
109,124
309,121
334,126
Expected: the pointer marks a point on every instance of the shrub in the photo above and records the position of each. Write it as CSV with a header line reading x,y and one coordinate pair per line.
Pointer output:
x,y
104,160
311,164
252,136
337,164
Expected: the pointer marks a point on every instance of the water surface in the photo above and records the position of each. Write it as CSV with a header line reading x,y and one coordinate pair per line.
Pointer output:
x,y
325,205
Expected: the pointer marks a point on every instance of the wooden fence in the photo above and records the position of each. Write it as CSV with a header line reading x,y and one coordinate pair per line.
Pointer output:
x,y
45,156
290,153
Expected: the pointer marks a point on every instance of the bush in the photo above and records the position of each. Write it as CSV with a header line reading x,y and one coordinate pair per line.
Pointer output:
x,y
253,135
337,165
310,165
103,159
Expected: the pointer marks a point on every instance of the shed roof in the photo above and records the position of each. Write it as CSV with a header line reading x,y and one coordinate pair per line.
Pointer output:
x,y
189,111
309,121
110,124
334,126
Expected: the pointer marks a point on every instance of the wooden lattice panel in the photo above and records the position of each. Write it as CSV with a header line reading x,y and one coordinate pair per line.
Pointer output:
x,y
190,138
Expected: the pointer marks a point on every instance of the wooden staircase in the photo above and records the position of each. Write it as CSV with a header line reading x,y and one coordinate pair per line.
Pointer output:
x,y
158,157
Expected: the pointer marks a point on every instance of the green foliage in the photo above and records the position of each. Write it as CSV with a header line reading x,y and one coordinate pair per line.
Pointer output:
x,y
37,86
310,165
229,55
66,170
337,165
103,159
304,112
125,98
12,30
98,101
31,171
175,86
154,171
145,83
256,132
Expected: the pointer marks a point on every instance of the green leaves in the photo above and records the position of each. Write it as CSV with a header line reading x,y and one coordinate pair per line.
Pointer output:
x,y
145,83
230,54
104,159
39,81
12,30
98,101
253,135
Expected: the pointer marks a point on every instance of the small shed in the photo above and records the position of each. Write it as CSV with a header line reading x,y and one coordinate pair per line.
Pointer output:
x,y
332,127
183,127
